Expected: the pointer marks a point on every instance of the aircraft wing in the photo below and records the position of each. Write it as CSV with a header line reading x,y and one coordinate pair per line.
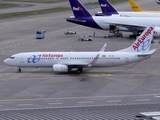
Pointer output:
x,y
127,25
147,53
83,65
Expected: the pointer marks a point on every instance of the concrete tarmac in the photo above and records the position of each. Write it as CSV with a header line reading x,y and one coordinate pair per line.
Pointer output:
x,y
38,88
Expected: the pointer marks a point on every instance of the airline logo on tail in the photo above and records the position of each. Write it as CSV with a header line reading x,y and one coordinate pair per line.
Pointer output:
x,y
134,7
142,44
104,5
78,9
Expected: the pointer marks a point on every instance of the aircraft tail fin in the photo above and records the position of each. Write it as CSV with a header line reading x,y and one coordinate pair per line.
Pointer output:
x,y
142,43
78,9
135,7
107,7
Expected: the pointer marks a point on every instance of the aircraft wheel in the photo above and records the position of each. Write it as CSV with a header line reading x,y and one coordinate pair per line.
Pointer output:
x,y
19,70
79,70
130,36
69,69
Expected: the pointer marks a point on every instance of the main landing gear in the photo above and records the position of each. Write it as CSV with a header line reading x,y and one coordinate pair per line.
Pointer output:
x,y
79,70
19,70
133,36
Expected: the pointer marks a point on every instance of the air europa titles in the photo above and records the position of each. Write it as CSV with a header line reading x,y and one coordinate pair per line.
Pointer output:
x,y
140,40
52,55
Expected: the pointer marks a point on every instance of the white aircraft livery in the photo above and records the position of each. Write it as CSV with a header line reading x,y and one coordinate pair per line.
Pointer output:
x,y
66,61
136,25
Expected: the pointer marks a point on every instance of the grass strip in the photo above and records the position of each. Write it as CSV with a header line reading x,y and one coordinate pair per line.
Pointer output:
x,y
111,1
7,5
35,12
36,1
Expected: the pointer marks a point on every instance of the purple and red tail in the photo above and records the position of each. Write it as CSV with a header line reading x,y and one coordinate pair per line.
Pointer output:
x,y
107,8
78,9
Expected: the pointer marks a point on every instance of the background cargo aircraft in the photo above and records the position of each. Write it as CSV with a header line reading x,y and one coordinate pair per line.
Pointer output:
x,y
66,61
135,25
136,8
108,9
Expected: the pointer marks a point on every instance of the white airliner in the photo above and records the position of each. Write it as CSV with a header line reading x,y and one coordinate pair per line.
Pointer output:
x,y
108,9
129,24
66,61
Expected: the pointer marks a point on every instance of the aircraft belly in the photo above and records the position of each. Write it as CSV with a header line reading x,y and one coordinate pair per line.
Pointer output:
x,y
109,63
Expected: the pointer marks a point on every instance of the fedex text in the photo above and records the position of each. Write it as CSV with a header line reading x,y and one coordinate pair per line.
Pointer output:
x,y
78,8
104,5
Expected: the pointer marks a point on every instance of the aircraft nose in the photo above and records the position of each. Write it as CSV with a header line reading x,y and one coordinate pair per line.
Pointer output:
x,y
6,61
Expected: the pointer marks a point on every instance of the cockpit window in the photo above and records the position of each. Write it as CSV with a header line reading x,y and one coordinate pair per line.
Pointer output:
x,y
12,57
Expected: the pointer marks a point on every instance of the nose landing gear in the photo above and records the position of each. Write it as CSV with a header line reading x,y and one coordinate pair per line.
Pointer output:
x,y
19,70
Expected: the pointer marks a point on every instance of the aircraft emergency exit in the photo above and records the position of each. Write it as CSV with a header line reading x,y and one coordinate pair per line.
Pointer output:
x,y
66,61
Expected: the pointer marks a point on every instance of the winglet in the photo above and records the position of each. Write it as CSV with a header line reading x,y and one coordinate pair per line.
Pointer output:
x,y
107,8
135,7
142,43
103,48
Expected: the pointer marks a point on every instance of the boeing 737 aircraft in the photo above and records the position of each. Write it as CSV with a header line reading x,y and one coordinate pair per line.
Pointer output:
x,y
136,8
66,61
135,25
108,9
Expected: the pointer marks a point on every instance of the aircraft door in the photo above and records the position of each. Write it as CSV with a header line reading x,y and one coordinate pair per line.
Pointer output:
x,y
126,58
21,59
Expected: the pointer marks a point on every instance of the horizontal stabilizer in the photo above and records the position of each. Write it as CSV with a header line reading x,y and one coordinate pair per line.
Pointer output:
x,y
147,53
75,20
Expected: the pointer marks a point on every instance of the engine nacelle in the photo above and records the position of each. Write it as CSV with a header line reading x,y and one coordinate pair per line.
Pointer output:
x,y
60,68
156,32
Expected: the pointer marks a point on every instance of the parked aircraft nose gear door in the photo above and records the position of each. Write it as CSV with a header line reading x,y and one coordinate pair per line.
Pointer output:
x,y
127,58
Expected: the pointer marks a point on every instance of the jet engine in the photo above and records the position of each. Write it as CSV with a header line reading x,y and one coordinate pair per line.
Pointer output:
x,y
156,32
60,68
